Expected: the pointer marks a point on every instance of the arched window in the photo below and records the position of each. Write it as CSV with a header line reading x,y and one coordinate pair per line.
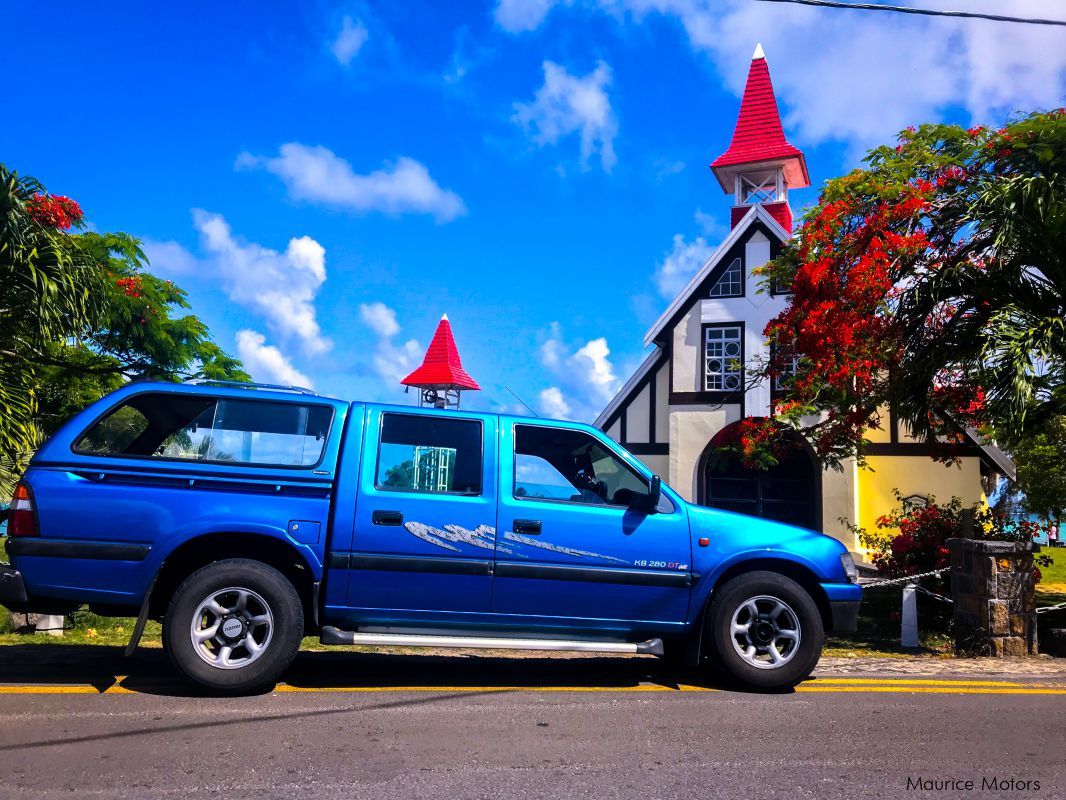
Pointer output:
x,y
789,492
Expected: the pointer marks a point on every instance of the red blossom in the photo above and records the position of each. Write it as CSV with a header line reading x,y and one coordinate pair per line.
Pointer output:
x,y
54,211
131,286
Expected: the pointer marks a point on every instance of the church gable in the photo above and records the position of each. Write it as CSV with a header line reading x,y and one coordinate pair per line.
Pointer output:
x,y
757,224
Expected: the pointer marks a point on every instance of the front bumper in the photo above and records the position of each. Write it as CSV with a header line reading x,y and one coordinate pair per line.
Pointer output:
x,y
12,587
844,600
845,615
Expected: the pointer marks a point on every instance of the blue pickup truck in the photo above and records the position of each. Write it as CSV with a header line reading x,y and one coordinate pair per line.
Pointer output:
x,y
245,517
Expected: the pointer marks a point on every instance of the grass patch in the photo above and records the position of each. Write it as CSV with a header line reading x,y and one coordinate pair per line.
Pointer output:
x,y
1051,591
1054,580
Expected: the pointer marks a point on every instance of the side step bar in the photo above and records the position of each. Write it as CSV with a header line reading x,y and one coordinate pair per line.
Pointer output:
x,y
332,635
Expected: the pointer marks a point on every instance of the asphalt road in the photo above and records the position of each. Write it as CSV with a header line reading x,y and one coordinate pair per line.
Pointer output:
x,y
349,725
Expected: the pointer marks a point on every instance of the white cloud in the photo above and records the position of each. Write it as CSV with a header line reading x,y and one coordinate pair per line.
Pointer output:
x,y
392,362
349,41
516,16
553,404
584,378
680,264
280,286
567,104
710,225
380,318
595,368
552,350
266,362
317,174
860,77
665,168
169,257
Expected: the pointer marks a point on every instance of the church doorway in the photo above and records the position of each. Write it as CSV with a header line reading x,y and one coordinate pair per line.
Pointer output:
x,y
790,492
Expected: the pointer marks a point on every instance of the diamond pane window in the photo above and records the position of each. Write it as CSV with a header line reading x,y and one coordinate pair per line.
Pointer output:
x,y
731,284
723,367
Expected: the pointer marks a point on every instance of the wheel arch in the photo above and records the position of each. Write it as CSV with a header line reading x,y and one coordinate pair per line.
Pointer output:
x,y
801,574
208,548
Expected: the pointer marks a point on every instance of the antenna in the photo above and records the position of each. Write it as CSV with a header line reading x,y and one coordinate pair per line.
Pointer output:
x,y
523,402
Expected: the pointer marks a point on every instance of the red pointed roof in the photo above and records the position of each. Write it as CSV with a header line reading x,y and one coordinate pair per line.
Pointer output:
x,y
759,136
441,368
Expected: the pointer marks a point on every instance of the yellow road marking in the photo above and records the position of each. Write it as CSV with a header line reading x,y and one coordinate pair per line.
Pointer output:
x,y
815,686
284,687
907,682
928,690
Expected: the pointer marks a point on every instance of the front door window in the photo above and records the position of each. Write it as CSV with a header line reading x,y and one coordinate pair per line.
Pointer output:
x,y
568,465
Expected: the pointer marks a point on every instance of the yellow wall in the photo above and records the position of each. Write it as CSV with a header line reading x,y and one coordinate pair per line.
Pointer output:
x,y
914,475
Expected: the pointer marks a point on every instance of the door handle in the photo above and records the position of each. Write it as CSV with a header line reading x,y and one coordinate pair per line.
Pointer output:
x,y
387,518
529,527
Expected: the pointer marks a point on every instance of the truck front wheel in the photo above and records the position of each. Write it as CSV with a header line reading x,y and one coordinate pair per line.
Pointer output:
x,y
233,626
766,630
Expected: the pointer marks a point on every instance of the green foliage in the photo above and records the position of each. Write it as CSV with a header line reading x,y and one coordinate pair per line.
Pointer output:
x,y
1041,460
401,475
80,314
49,291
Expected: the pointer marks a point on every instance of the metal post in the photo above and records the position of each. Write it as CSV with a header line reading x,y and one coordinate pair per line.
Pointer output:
x,y
908,635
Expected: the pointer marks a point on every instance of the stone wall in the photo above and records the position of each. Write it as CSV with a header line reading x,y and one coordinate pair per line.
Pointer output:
x,y
995,597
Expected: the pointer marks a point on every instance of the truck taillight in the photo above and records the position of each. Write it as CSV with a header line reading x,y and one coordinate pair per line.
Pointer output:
x,y
21,521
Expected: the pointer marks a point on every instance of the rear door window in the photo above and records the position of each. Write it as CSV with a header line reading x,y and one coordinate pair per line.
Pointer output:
x,y
197,428
431,455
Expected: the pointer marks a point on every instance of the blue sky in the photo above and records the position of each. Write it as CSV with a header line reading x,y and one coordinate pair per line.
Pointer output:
x,y
327,178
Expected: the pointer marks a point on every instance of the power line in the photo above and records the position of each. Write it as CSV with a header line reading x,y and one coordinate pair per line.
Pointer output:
x,y
523,402
923,11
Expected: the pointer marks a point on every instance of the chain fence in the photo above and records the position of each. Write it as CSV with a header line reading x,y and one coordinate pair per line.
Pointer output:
x,y
904,580
913,578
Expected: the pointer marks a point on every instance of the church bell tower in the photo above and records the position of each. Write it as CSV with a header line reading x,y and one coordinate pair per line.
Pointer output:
x,y
760,165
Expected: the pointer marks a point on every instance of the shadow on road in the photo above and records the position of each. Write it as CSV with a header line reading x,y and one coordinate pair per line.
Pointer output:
x,y
215,722
148,672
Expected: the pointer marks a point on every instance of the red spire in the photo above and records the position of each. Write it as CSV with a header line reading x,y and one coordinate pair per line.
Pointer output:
x,y
759,136
441,368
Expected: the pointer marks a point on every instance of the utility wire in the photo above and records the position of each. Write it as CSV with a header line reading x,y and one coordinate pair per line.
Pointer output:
x,y
523,402
923,11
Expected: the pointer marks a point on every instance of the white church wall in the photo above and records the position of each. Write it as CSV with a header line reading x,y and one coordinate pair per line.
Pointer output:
x,y
840,500
691,430
686,352
615,431
660,465
662,404
638,417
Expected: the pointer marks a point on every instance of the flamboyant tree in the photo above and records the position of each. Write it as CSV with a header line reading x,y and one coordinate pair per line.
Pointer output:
x,y
930,282
79,315
49,291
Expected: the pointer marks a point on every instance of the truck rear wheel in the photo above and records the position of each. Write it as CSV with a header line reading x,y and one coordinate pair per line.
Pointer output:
x,y
766,630
233,626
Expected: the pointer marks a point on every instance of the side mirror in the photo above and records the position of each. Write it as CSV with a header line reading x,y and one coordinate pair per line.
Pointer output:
x,y
655,492
649,503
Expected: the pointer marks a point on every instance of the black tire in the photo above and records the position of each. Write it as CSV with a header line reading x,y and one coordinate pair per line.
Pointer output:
x,y
285,629
731,598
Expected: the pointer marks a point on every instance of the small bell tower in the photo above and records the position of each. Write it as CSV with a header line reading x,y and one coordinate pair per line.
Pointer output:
x,y
760,165
441,379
